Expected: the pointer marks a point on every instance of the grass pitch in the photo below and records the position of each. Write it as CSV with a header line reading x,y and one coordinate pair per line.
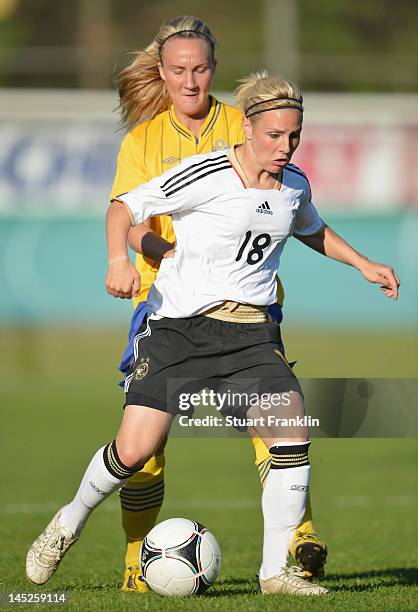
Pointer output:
x,y
60,402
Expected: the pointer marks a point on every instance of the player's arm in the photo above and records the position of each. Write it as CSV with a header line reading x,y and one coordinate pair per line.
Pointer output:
x,y
329,243
167,194
143,240
130,173
122,279
155,198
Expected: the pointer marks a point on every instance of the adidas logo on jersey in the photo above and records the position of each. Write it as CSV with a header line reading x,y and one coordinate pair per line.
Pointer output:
x,y
264,208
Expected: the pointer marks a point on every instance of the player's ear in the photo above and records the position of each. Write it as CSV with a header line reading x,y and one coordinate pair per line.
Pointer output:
x,y
161,71
248,128
214,65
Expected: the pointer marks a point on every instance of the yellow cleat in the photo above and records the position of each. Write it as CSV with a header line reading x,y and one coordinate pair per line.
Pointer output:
x,y
309,553
133,581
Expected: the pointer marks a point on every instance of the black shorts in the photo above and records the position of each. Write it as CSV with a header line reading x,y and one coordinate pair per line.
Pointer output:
x,y
179,357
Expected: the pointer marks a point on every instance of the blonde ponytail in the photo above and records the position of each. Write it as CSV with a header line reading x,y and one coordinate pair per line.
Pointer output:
x,y
142,92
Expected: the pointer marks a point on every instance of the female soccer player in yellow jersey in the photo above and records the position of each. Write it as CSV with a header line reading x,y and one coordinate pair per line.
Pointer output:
x,y
167,107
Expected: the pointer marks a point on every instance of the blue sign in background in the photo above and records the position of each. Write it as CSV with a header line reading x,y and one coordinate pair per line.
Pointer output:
x,y
52,270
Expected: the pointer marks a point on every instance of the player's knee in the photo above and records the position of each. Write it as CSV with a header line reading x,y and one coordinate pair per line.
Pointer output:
x,y
301,436
134,456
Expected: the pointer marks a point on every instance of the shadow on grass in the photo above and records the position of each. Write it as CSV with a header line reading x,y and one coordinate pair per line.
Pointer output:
x,y
338,583
368,581
229,586
233,586
91,587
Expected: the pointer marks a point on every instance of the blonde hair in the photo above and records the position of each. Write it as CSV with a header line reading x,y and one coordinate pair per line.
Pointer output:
x,y
261,92
142,92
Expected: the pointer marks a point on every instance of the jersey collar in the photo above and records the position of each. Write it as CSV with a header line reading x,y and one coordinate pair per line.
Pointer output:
x,y
210,121
232,156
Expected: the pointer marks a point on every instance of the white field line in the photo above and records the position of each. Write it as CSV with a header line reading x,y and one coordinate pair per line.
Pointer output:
x,y
43,507
357,501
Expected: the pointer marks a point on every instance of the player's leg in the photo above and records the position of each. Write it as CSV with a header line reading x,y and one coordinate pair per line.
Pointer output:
x,y
309,551
254,368
284,495
141,433
141,497
306,547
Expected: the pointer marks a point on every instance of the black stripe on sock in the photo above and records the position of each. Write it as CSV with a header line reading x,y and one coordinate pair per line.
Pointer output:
x,y
138,495
114,465
150,506
283,457
129,489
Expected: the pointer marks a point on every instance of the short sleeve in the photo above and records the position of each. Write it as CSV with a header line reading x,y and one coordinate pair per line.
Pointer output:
x,y
130,170
308,221
180,189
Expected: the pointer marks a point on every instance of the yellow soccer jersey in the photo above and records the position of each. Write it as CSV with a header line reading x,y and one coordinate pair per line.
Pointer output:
x,y
161,143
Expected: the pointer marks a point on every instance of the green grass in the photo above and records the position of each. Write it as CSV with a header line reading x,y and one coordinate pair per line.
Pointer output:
x,y
59,402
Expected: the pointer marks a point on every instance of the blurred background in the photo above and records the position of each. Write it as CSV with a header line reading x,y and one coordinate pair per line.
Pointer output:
x,y
61,335
357,63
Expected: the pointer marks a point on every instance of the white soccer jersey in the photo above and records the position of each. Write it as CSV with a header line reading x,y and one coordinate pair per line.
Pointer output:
x,y
229,237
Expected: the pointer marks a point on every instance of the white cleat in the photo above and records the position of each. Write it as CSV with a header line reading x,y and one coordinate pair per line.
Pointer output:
x,y
291,581
45,554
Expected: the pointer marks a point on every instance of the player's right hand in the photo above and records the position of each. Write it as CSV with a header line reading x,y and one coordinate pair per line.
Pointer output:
x,y
123,280
382,274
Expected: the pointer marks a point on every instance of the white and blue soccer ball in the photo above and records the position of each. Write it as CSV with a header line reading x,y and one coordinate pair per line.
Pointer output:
x,y
180,557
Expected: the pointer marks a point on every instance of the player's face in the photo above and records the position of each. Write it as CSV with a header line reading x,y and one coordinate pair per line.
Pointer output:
x,y
274,136
187,69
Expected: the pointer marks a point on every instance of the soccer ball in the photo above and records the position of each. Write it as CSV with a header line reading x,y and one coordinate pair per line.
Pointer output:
x,y
180,557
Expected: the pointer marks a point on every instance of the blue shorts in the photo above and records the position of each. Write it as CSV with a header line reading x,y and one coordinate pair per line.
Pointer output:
x,y
139,315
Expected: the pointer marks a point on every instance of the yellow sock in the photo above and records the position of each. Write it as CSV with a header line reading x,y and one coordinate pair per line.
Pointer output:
x,y
262,461
141,499
307,524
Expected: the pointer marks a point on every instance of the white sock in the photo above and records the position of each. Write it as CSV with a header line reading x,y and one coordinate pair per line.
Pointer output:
x,y
284,503
97,484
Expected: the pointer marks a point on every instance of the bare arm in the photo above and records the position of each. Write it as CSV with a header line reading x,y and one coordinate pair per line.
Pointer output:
x,y
122,278
329,243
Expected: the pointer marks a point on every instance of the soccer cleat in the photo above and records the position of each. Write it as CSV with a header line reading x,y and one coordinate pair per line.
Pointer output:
x,y
309,553
291,581
45,554
133,581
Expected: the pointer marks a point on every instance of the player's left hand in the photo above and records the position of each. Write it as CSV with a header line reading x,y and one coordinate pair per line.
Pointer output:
x,y
382,274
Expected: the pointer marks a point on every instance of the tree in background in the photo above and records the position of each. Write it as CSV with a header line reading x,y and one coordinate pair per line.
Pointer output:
x,y
349,45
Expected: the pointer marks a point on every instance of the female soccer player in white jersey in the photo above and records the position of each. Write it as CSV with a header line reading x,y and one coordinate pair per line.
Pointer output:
x,y
167,107
207,312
